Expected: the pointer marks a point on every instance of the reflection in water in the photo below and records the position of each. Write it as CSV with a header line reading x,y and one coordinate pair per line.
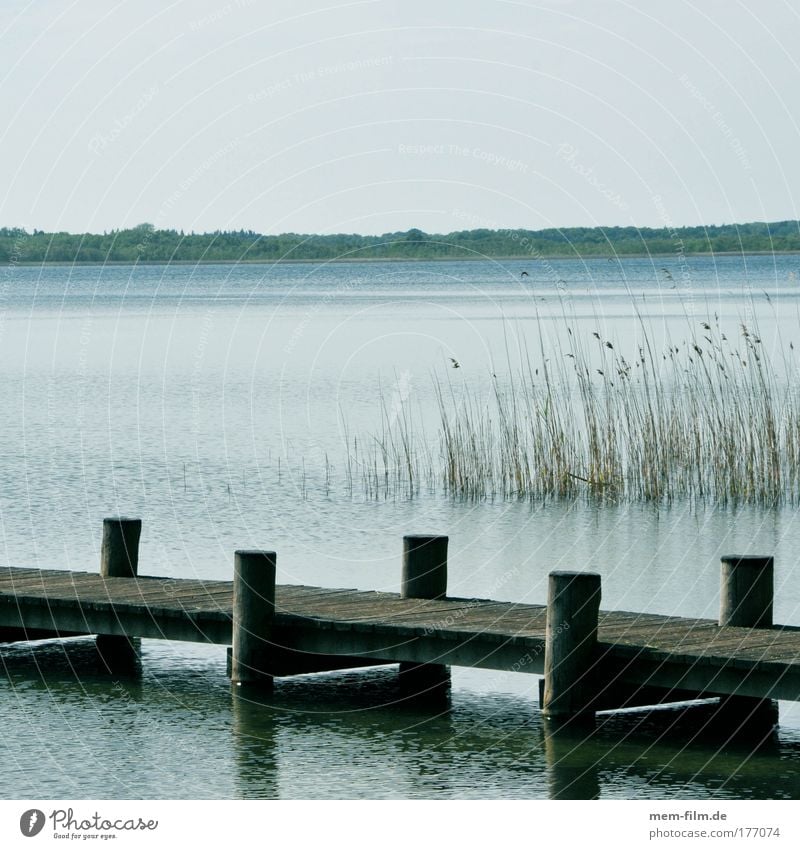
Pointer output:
x,y
572,767
697,742
254,731
178,730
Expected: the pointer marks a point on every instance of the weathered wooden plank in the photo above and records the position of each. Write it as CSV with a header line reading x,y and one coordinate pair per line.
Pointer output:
x,y
203,596
689,641
658,626
285,595
45,585
710,660
721,641
366,611
154,594
105,595
457,627
348,606
14,573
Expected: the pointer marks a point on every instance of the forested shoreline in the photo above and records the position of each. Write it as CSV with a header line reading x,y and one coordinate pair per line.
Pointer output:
x,y
145,243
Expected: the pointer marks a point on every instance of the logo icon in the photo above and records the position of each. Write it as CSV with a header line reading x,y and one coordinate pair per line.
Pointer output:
x,y
31,822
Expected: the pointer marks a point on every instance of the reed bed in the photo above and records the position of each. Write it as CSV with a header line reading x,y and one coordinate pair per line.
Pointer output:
x,y
711,418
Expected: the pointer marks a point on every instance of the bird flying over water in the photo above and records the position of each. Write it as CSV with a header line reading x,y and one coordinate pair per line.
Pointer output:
x,y
667,273
456,363
524,274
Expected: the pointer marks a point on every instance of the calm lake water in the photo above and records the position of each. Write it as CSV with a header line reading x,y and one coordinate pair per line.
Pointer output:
x,y
220,403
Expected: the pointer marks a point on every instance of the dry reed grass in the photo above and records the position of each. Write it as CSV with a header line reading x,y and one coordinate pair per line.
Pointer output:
x,y
706,418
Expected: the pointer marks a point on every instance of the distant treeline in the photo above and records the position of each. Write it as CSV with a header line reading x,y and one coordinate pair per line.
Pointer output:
x,y
146,244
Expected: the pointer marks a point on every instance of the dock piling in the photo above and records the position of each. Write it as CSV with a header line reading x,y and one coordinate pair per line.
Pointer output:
x,y
573,605
424,577
119,553
747,589
119,558
253,614
424,566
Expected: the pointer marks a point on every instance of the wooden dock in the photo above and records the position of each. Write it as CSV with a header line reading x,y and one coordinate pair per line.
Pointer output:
x,y
592,659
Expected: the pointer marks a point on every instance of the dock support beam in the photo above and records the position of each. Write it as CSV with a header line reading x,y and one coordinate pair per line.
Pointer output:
x,y
253,615
424,577
570,653
747,589
119,558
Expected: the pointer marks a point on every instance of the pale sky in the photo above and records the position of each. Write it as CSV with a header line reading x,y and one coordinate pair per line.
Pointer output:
x,y
381,115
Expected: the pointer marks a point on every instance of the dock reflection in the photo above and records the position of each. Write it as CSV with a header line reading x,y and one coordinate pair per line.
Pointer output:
x,y
178,730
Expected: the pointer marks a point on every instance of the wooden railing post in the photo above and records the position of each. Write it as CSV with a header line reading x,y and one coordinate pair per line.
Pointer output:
x,y
747,589
424,577
253,614
570,654
119,558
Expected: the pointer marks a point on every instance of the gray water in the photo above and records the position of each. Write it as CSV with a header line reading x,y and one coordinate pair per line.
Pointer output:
x,y
219,403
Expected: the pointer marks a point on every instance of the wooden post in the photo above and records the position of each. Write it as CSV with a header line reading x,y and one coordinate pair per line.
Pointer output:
x,y
119,553
424,567
747,588
424,577
253,613
746,591
573,604
119,558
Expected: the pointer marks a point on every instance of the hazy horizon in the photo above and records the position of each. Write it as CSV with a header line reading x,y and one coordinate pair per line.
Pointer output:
x,y
377,116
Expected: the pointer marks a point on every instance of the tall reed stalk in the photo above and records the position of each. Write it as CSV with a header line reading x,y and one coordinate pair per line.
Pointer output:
x,y
707,419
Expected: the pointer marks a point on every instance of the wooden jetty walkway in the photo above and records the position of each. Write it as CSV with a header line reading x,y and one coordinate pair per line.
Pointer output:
x,y
591,659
